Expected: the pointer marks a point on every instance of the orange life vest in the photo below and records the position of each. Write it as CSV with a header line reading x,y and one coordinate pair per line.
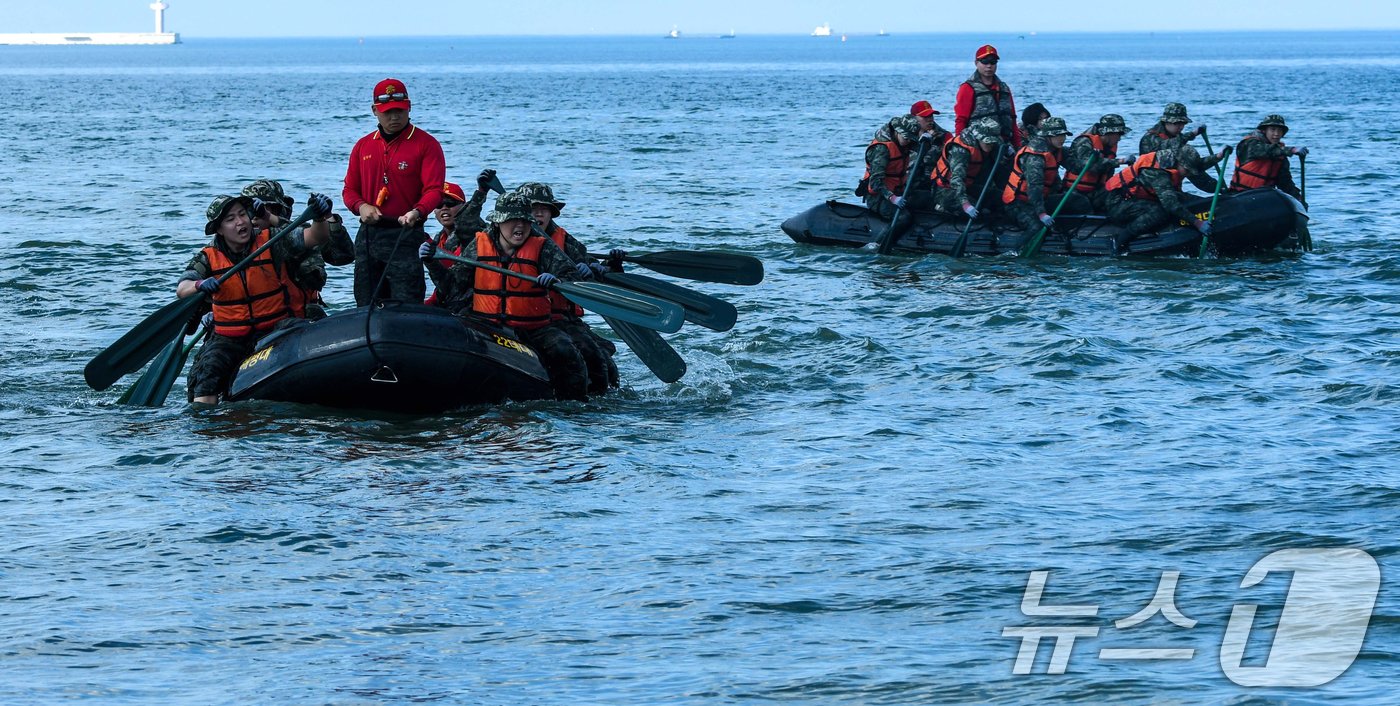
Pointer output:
x,y
559,306
1092,180
894,171
1256,173
510,301
254,299
1127,178
974,165
1016,185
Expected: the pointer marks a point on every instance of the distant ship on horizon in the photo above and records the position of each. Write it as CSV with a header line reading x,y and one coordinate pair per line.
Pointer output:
x,y
674,33
823,30
160,36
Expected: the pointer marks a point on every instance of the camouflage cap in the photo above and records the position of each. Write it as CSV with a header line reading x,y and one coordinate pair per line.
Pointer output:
x,y
1189,159
986,129
1274,120
269,192
1112,122
1166,159
1052,126
219,207
907,126
510,207
1175,113
534,192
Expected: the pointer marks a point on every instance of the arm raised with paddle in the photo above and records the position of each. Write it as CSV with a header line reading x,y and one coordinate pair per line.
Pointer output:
x,y
133,350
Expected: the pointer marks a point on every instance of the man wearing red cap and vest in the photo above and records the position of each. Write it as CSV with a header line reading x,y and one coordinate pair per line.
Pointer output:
x,y
1261,159
510,242
393,182
983,95
251,302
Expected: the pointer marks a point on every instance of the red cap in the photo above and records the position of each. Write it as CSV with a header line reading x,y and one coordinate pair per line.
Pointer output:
x,y
390,94
985,51
922,109
452,191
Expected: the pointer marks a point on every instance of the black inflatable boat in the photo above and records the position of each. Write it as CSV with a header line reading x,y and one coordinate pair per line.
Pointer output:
x,y
1247,222
394,357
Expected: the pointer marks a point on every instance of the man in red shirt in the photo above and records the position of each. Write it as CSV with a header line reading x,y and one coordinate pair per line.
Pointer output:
x,y
983,95
394,181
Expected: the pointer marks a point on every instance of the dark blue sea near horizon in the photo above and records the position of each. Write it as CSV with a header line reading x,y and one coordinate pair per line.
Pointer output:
x,y
844,499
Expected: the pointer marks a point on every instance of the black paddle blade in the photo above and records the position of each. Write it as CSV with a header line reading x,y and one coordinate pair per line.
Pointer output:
x,y
660,358
702,266
700,309
618,303
495,185
141,343
152,387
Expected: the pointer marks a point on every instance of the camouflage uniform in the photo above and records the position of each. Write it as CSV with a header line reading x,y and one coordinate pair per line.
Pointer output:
x,y
567,369
1256,146
1026,214
468,220
922,172
1082,148
597,352
951,199
386,263
877,158
1140,216
218,358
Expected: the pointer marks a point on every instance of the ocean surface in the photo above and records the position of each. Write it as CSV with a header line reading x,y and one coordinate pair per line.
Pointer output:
x,y
842,502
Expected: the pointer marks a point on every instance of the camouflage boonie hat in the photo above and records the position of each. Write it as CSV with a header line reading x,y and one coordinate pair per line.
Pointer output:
x,y
1175,113
907,126
1166,159
1112,122
510,207
1275,120
987,129
219,207
534,192
1052,126
1189,159
269,191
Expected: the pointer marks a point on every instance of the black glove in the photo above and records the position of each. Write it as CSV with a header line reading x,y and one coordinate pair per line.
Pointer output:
x,y
583,270
322,205
208,285
483,180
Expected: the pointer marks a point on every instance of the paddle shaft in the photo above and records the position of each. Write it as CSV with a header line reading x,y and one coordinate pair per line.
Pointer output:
x,y
700,265
1210,217
886,243
961,245
1219,170
1034,245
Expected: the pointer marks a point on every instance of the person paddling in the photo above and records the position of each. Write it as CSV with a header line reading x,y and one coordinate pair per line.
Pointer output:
x,y
887,168
1261,159
394,180
965,165
1102,137
1146,195
1170,132
309,275
510,242
253,301
1035,186
597,352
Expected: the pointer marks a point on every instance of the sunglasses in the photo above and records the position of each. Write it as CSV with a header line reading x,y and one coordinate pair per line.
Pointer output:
x,y
991,62
389,97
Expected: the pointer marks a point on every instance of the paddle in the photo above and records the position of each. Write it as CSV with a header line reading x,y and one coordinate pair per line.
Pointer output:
x,y
154,385
1304,237
986,186
1033,246
615,302
886,243
700,309
660,358
141,343
1219,170
700,265
1210,217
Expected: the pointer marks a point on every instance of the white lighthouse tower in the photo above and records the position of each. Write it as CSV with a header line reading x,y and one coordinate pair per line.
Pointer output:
x,y
160,9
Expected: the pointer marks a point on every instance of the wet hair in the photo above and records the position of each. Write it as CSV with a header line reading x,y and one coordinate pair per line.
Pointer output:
x,y
1034,113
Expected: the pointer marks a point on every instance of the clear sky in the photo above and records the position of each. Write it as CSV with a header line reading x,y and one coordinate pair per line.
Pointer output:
x,y
365,18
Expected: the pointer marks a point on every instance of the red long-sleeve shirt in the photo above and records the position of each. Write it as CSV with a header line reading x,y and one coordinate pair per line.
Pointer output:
x,y
962,111
411,165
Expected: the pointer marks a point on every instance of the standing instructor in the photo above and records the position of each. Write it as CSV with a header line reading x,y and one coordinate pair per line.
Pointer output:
x,y
394,180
